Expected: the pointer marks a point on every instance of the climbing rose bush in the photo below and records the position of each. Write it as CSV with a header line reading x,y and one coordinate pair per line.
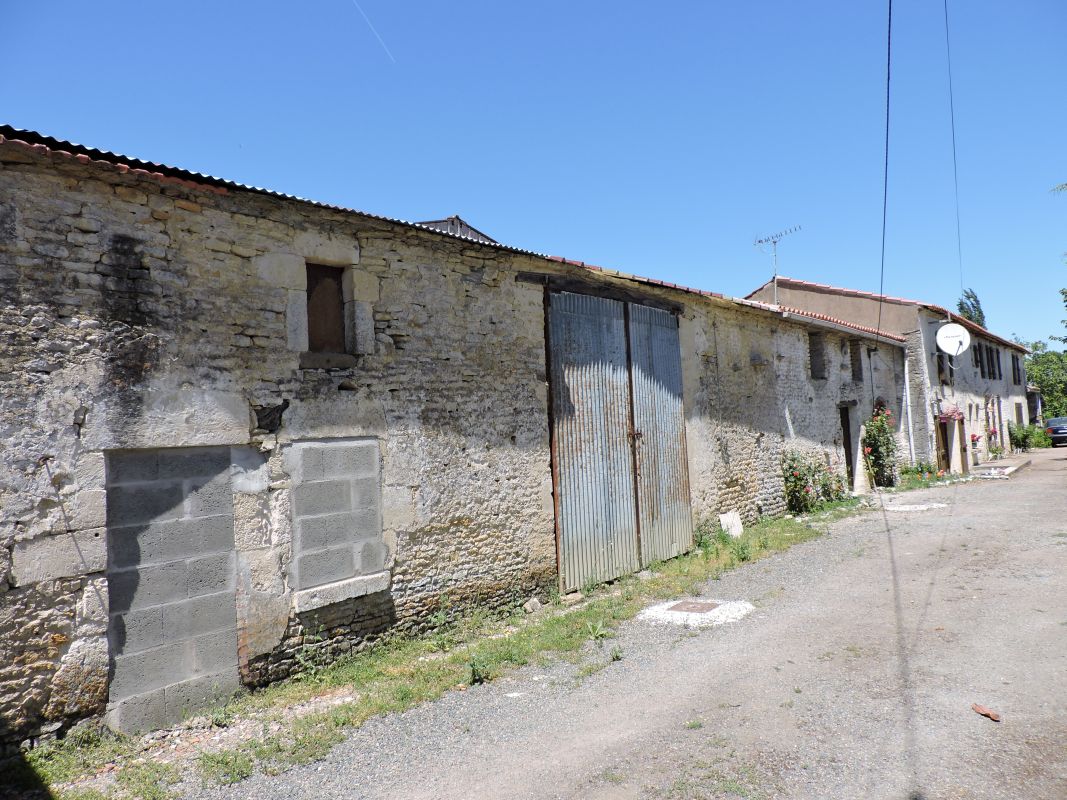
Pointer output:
x,y
809,483
880,449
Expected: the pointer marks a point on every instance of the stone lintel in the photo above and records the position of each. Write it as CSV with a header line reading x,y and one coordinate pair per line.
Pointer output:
x,y
331,593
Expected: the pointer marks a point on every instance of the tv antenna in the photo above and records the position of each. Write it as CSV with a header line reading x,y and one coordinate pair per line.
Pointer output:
x,y
773,240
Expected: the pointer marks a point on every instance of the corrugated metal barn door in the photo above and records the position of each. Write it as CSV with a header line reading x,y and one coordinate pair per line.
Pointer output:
x,y
622,494
594,478
666,522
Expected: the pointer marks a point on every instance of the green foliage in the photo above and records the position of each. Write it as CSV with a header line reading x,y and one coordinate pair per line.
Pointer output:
x,y
1047,369
148,781
809,483
741,549
481,669
970,307
880,448
82,749
1028,437
225,767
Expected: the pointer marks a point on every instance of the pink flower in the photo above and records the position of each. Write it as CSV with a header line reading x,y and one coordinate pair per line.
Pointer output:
x,y
867,451
807,488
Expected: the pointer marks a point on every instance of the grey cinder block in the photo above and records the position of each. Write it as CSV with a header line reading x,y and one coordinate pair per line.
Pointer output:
x,y
326,531
366,492
138,714
324,566
194,462
134,631
210,496
356,460
371,557
211,534
135,465
210,574
198,615
311,464
137,673
140,503
140,588
324,497
214,651
186,697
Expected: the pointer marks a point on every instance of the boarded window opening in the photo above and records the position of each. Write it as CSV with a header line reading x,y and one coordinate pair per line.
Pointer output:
x,y
855,351
326,319
817,355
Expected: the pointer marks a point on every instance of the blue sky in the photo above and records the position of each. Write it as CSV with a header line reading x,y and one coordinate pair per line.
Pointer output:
x,y
659,139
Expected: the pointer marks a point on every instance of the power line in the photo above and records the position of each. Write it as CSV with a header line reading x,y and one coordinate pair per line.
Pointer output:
x,y
885,167
955,174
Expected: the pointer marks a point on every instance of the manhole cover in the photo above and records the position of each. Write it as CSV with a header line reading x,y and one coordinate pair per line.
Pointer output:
x,y
696,613
693,607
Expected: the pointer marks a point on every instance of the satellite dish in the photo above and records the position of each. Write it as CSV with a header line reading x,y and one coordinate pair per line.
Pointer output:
x,y
953,339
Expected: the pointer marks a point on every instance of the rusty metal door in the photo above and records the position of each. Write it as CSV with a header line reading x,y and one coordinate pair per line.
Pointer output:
x,y
618,450
665,520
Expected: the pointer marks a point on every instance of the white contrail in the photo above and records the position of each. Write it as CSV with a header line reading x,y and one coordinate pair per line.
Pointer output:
x,y
374,30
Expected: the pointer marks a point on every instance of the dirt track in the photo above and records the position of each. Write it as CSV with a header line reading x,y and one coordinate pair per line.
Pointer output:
x,y
854,678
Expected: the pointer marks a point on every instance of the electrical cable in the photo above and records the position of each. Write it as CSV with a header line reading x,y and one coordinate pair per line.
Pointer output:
x,y
955,172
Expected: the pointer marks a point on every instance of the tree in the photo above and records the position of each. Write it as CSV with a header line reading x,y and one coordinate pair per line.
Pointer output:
x,y
1047,369
970,307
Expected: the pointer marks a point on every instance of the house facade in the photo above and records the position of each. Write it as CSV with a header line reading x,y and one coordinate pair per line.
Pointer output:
x,y
960,407
239,425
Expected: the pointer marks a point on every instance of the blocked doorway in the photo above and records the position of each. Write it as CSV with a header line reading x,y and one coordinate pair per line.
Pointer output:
x,y
172,627
619,466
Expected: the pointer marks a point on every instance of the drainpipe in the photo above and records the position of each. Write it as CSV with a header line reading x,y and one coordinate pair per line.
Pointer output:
x,y
907,411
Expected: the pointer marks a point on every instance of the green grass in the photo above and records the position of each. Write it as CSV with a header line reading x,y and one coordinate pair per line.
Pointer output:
x,y
401,673
148,781
910,480
82,752
225,767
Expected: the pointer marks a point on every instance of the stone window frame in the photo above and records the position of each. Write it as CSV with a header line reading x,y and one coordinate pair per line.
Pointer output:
x,y
286,269
855,354
358,318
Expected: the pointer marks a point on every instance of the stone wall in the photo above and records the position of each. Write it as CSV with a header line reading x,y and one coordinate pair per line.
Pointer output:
x,y
143,315
750,399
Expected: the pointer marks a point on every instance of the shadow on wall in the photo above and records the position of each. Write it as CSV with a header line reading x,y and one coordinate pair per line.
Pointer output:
x,y
18,778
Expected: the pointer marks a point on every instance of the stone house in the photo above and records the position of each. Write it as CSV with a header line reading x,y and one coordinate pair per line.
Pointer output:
x,y
960,407
239,424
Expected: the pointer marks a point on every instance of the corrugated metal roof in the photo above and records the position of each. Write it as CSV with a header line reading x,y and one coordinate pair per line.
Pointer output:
x,y
458,226
105,159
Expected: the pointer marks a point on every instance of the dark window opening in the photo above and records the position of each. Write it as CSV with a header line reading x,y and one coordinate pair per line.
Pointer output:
x,y
980,350
817,355
855,352
326,319
945,365
997,361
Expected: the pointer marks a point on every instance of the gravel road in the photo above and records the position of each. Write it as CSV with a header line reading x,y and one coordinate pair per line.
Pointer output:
x,y
853,678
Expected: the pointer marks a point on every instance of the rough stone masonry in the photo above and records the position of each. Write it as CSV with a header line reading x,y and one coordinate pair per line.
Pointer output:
x,y
191,494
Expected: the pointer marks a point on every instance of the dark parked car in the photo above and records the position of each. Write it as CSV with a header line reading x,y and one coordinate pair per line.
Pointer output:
x,y
1057,429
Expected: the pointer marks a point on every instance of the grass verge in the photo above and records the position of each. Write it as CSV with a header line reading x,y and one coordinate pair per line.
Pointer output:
x,y
404,672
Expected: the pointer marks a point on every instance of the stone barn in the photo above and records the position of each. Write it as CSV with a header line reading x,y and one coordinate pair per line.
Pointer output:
x,y
238,423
